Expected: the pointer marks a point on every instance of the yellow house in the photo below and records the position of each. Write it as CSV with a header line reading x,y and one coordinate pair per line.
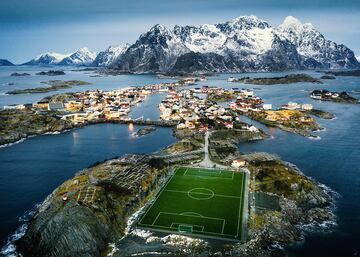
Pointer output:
x,y
41,105
271,117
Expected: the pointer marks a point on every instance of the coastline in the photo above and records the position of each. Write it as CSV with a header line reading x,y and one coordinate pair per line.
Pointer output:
x,y
21,140
93,122
128,232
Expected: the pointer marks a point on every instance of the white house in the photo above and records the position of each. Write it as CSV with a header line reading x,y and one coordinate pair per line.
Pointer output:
x,y
267,106
237,163
307,106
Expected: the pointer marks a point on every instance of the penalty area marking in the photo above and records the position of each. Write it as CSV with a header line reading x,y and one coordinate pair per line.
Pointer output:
x,y
207,171
203,217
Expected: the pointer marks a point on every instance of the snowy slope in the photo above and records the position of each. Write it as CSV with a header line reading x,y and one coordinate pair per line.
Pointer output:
x,y
155,50
49,58
246,43
105,58
83,56
311,44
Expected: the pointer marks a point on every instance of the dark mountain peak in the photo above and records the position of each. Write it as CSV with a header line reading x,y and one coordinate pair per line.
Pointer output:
x,y
244,43
4,62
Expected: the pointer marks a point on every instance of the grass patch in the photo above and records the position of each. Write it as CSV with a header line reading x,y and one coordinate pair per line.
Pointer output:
x,y
202,202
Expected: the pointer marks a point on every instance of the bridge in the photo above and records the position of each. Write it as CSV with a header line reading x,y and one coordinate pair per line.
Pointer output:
x,y
142,121
137,121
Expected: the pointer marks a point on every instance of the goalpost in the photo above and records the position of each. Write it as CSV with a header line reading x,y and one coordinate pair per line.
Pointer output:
x,y
185,228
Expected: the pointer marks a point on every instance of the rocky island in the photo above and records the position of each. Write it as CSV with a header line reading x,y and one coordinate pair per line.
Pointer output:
x,y
17,74
327,77
94,213
344,73
294,121
145,130
287,79
320,113
54,85
18,124
51,73
338,97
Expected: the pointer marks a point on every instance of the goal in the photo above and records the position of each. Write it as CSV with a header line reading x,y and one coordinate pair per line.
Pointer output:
x,y
185,228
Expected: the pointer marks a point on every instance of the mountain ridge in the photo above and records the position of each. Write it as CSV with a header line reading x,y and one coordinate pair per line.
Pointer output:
x,y
246,43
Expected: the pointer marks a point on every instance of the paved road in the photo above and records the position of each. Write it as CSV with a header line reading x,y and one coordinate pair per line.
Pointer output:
x,y
207,162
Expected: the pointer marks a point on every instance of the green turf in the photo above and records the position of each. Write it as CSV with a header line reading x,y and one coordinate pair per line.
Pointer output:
x,y
203,202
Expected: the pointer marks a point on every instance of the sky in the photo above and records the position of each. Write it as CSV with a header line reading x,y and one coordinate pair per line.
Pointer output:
x,y
31,27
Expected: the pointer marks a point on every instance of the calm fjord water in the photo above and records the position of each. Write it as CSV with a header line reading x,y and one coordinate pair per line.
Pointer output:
x,y
30,170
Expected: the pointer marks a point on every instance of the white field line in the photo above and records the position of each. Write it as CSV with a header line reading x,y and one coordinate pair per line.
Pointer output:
x,y
210,170
187,215
203,217
240,208
162,190
222,231
186,171
205,233
209,176
156,218
185,192
185,224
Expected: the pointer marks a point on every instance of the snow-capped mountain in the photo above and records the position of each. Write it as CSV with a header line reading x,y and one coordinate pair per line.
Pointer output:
x,y
155,50
105,58
246,43
83,56
358,58
48,58
312,45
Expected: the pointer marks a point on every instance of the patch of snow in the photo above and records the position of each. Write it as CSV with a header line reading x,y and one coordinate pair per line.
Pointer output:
x,y
83,56
113,250
290,22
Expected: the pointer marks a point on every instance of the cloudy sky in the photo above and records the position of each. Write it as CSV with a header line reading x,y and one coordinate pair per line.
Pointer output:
x,y
30,27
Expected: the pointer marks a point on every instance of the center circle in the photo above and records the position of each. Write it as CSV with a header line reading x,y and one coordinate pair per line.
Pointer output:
x,y
200,193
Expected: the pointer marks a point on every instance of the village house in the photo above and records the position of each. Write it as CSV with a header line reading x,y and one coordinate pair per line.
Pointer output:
x,y
14,106
307,107
55,106
238,163
267,106
291,106
42,104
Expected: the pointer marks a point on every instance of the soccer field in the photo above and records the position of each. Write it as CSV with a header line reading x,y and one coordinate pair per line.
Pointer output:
x,y
197,201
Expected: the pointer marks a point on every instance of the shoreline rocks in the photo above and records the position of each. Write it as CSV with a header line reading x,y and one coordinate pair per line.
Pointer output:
x,y
51,73
337,97
145,130
327,77
355,73
17,74
93,223
54,86
19,124
287,79
320,113
294,121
